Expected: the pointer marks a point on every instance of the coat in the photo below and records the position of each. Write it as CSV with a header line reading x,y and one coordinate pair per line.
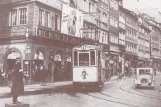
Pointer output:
x,y
17,87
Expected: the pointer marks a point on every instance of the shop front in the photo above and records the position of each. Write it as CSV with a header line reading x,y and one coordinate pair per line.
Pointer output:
x,y
143,62
131,59
156,62
114,59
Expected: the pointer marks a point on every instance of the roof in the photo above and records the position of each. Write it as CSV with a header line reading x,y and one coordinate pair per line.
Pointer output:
x,y
153,12
129,12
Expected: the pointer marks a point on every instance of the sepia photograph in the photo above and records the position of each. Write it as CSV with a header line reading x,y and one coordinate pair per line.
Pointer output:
x,y
80,53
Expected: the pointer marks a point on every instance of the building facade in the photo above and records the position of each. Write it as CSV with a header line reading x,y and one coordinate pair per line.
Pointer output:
x,y
32,31
114,50
131,39
143,41
155,42
122,36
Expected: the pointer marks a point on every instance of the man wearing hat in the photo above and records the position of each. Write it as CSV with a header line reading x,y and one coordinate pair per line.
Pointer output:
x,y
17,87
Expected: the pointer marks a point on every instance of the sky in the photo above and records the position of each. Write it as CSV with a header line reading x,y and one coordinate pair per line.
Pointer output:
x,y
139,4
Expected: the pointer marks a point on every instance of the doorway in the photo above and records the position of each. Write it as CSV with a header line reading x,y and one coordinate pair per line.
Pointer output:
x,y
11,59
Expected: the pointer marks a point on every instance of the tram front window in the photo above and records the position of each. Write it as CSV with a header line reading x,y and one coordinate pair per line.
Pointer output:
x,y
83,59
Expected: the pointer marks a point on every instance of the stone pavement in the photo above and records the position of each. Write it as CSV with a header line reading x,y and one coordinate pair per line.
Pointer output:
x,y
38,89
35,88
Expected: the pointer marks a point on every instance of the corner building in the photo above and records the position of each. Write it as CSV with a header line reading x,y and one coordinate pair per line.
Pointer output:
x,y
31,30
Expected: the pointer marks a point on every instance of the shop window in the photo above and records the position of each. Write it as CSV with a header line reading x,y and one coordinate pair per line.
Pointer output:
x,y
92,55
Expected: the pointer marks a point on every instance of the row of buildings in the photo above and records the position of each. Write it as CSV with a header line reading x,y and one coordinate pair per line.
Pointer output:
x,y
43,31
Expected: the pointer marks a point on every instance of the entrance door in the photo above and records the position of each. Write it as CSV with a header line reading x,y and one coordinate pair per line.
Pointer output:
x,y
11,59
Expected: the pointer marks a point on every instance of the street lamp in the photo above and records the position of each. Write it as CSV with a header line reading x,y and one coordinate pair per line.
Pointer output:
x,y
28,52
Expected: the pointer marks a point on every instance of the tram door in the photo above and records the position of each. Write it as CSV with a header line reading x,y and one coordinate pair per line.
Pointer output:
x,y
99,65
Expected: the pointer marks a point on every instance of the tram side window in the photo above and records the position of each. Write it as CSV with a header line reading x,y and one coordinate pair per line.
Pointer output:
x,y
92,54
75,58
83,59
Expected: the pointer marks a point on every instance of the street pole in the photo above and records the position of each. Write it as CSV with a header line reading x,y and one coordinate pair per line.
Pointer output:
x,y
29,56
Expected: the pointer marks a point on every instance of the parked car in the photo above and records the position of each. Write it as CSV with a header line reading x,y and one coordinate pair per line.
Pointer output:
x,y
145,77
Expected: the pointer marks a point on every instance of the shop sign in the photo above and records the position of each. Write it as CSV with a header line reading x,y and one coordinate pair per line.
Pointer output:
x,y
114,48
73,39
58,36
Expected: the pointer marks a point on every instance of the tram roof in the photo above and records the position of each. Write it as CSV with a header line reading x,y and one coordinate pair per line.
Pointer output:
x,y
87,47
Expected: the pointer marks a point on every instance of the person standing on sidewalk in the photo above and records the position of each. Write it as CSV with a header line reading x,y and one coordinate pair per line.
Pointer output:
x,y
17,87
43,75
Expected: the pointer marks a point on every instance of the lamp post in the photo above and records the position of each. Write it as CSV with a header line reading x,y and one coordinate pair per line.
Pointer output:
x,y
28,48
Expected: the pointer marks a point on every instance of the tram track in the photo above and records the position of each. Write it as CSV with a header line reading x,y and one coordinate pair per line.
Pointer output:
x,y
127,91
118,102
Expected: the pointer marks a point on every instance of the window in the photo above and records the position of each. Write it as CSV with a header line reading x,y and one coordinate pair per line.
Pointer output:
x,y
44,18
57,22
92,54
18,17
23,15
41,14
47,19
111,21
83,59
75,58
13,17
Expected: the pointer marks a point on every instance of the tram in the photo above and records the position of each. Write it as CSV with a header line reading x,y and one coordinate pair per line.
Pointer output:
x,y
88,66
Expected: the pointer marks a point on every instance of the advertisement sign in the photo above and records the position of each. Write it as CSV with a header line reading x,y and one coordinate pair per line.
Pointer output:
x,y
72,21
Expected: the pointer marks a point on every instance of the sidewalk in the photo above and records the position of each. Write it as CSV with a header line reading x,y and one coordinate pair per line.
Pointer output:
x,y
36,88
48,88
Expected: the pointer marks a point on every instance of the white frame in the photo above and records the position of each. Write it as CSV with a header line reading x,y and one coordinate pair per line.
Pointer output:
x,y
18,16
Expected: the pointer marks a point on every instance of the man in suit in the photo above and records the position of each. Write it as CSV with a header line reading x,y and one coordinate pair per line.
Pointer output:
x,y
17,87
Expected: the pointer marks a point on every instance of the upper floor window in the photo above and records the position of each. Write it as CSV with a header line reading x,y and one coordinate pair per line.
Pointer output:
x,y
114,5
18,16
23,15
44,18
57,22
13,17
41,14
113,22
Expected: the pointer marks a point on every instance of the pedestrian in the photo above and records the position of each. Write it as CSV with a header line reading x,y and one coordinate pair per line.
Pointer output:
x,y
119,71
17,85
43,75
